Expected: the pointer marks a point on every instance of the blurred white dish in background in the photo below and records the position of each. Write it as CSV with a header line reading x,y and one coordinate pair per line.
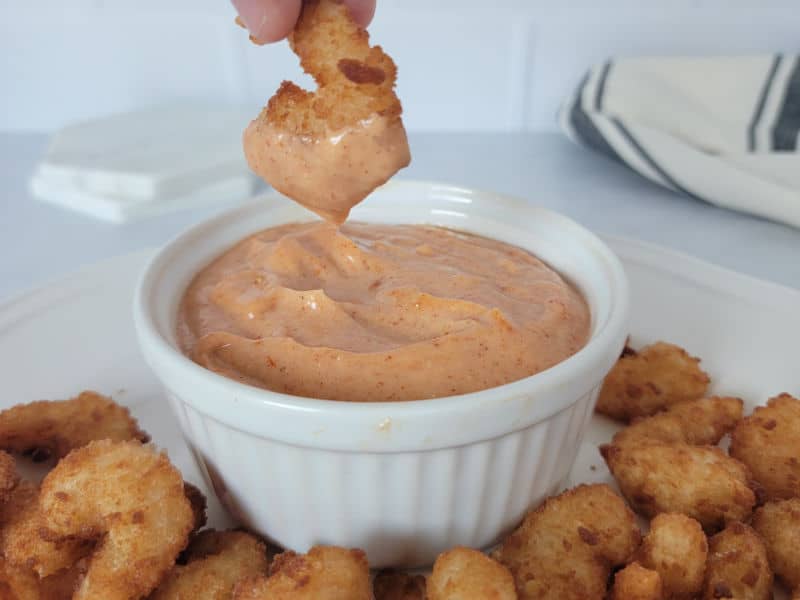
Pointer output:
x,y
143,163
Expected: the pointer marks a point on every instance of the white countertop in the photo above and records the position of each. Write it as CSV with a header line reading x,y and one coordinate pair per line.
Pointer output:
x,y
40,242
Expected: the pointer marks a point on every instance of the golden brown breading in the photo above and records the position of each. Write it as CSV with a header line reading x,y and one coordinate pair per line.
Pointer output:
x,y
737,566
697,422
325,573
198,503
397,585
645,382
768,442
659,469
355,89
699,481
466,574
217,561
634,582
778,524
8,475
677,549
20,542
21,522
46,429
354,79
17,583
131,499
566,548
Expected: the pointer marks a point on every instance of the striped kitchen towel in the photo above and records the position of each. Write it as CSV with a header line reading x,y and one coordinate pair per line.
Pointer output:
x,y
723,130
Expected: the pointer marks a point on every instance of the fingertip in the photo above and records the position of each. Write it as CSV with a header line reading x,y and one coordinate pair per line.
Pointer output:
x,y
268,20
362,10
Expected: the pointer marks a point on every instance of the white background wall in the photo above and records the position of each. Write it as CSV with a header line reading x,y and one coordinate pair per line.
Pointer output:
x,y
464,64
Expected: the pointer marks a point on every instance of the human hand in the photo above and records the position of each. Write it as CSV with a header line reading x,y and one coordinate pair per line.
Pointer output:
x,y
272,20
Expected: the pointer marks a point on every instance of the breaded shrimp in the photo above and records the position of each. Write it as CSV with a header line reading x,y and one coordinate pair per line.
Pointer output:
x,y
328,149
22,545
466,574
129,498
46,429
397,585
696,422
659,469
8,475
778,524
768,442
677,549
635,582
198,503
18,583
645,382
325,573
699,481
566,548
62,585
737,566
216,562
20,542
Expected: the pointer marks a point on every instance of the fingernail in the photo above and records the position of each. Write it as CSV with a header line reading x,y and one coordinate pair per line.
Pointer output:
x,y
253,15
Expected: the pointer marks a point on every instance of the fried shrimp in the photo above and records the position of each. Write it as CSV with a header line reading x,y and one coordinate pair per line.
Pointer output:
x,y
701,482
18,583
325,573
20,542
566,548
129,498
216,561
677,549
397,585
198,503
635,582
22,545
768,442
696,422
46,429
466,574
778,524
8,475
737,566
645,382
659,469
328,149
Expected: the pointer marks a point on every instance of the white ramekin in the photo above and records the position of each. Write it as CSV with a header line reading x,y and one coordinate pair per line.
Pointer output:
x,y
402,480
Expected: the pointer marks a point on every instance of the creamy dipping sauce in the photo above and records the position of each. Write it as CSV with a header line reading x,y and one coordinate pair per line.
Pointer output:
x,y
331,174
371,312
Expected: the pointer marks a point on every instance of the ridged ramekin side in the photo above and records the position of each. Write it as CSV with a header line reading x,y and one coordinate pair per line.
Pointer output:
x,y
467,495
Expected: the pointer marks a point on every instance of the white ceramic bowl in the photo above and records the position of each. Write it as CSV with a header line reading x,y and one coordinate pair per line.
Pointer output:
x,y
402,480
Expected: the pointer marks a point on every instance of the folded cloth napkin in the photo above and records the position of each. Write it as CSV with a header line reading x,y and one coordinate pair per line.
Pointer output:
x,y
723,130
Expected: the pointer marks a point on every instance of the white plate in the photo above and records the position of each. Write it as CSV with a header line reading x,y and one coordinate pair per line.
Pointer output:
x,y
77,334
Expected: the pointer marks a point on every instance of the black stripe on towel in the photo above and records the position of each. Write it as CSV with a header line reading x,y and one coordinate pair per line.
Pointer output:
x,y
784,132
762,100
650,161
601,87
585,128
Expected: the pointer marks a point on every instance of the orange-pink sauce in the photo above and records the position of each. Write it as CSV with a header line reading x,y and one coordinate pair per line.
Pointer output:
x,y
371,312
328,175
